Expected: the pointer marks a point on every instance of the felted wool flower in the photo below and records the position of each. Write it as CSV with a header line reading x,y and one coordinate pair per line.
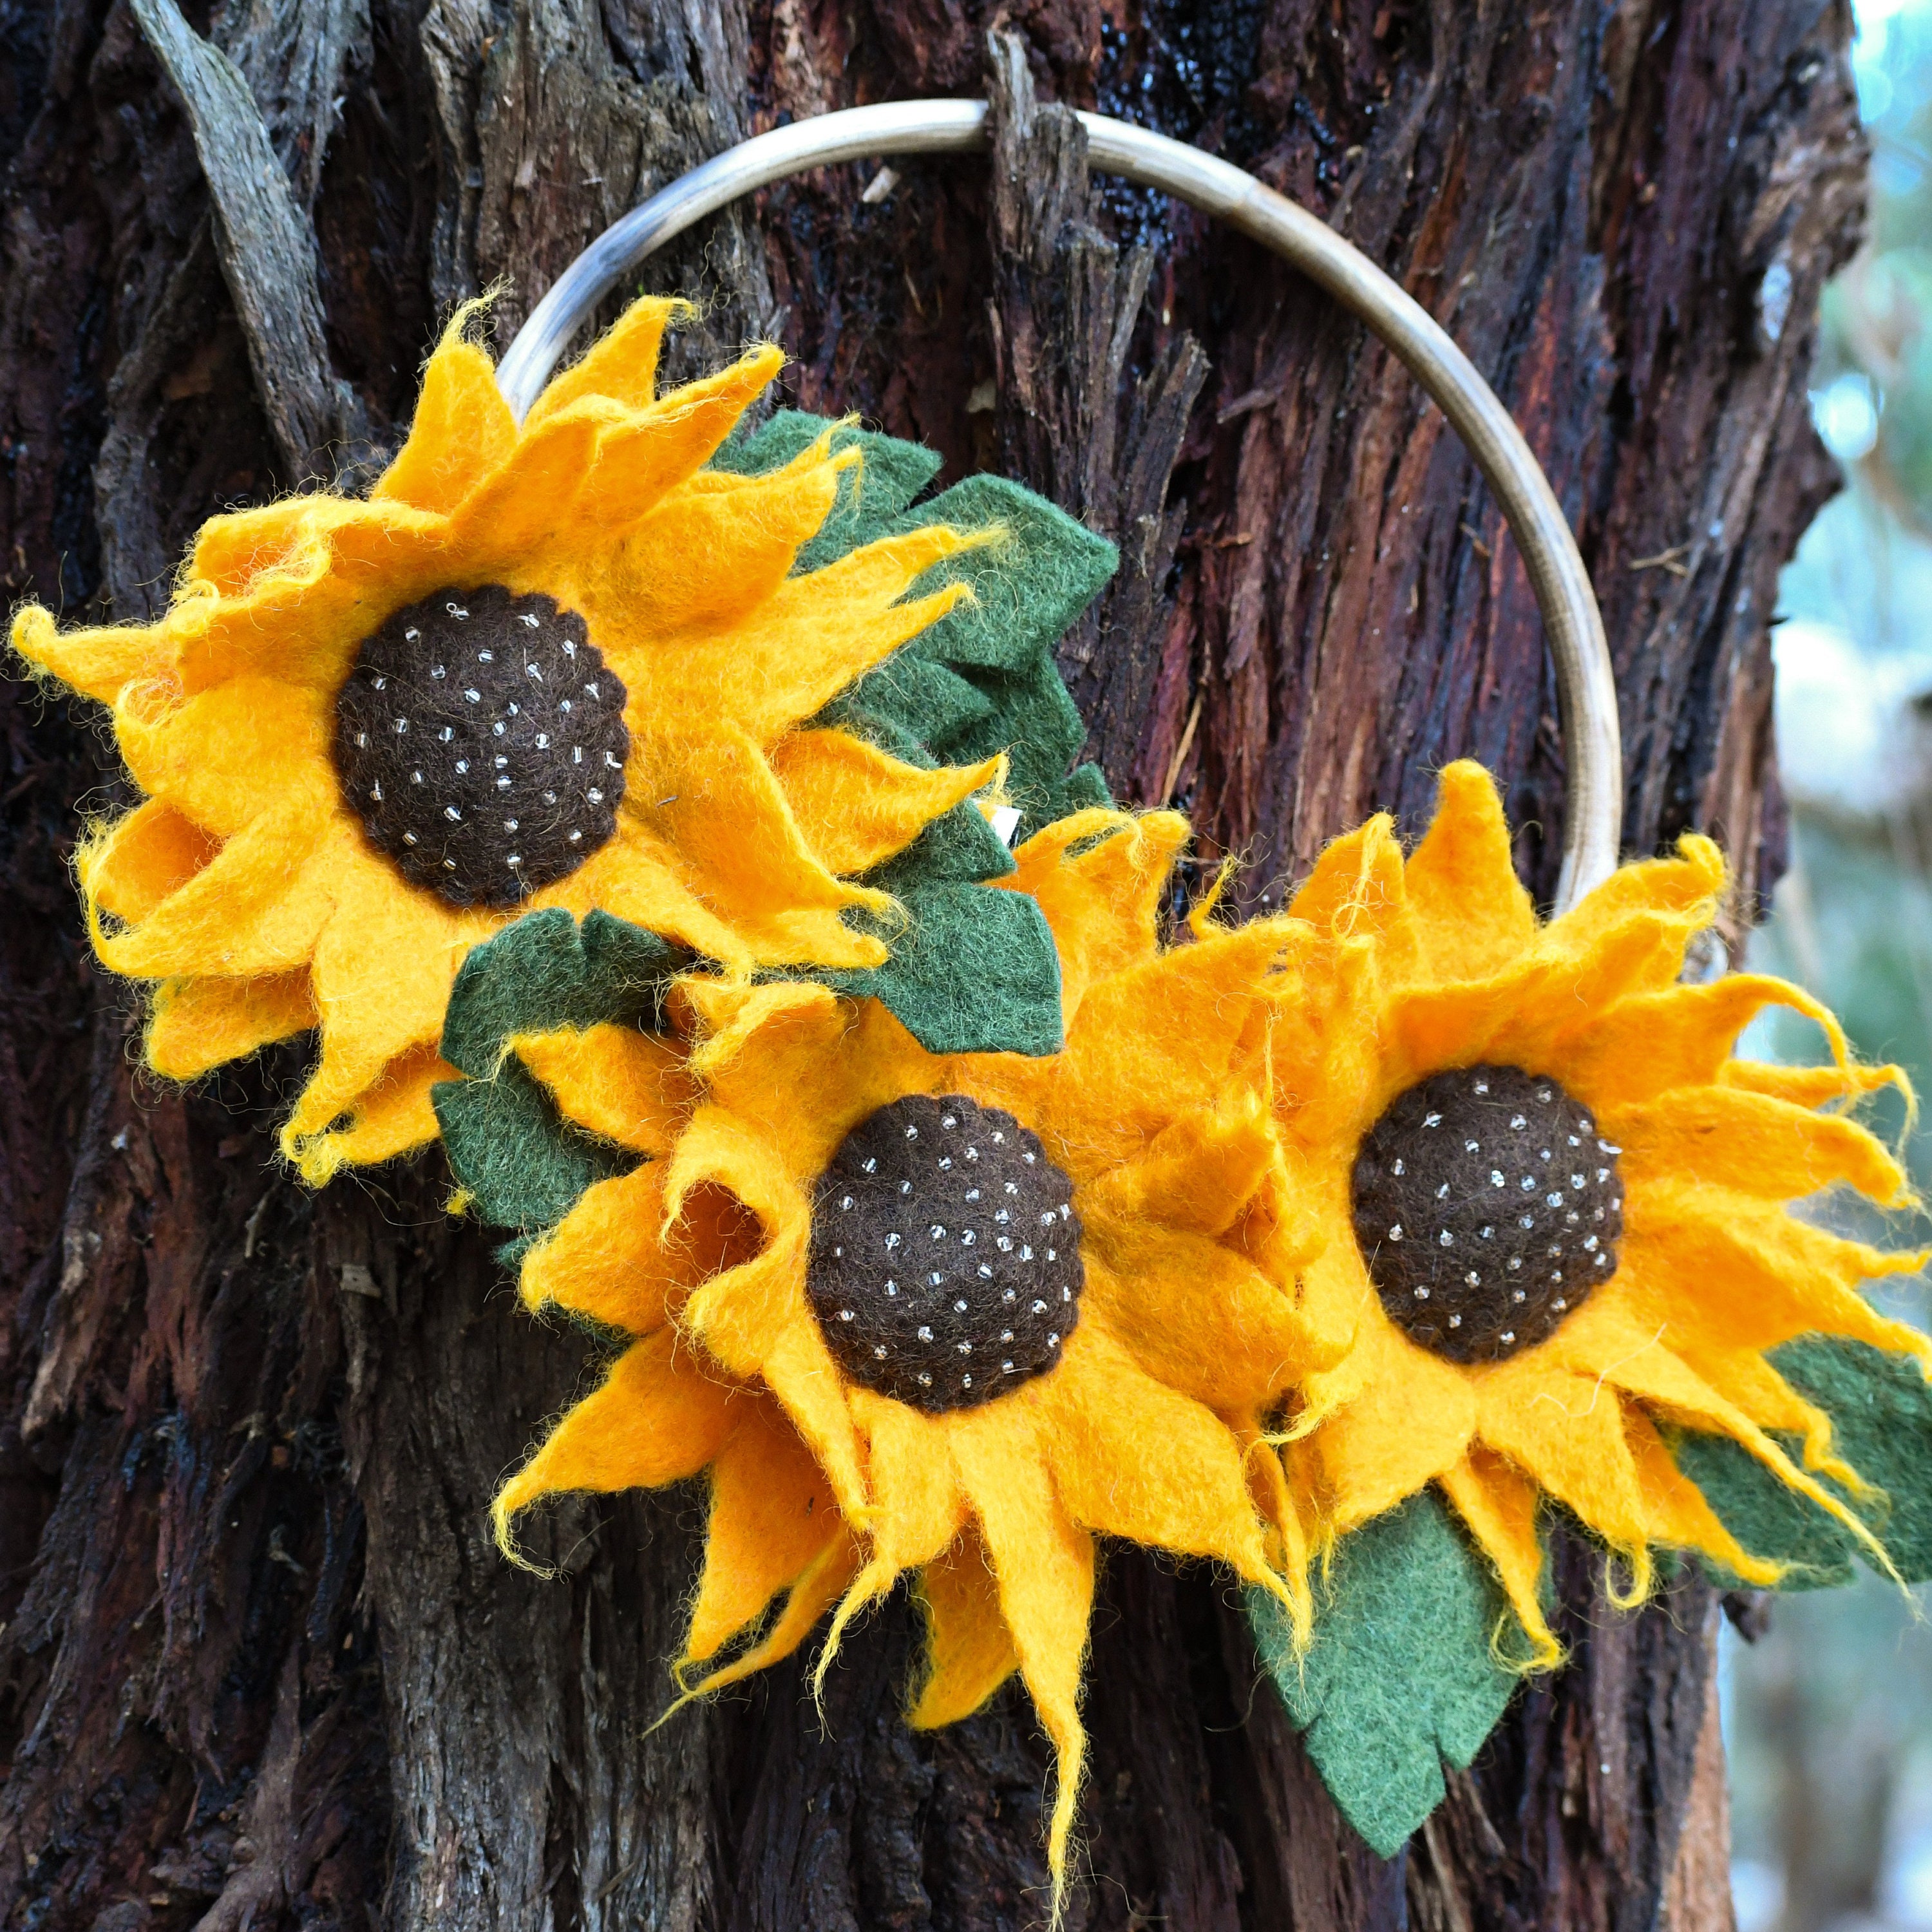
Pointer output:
x,y
952,1314
972,970
561,664
1556,1205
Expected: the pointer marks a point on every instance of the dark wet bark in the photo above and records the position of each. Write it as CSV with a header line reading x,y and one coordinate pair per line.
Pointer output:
x,y
259,1664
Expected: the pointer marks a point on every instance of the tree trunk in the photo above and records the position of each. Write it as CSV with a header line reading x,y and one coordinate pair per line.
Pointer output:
x,y
259,1664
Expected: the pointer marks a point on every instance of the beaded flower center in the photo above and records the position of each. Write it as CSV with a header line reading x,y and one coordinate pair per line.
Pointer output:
x,y
1487,1208
945,1264
480,739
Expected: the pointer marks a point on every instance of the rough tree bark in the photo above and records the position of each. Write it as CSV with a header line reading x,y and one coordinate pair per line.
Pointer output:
x,y
259,1664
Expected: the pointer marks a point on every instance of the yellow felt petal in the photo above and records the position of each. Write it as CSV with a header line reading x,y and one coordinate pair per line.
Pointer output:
x,y
1744,1379
1722,1269
618,1256
637,461
240,558
1651,1041
752,1035
1150,1045
824,1580
767,1044
741,849
1131,1458
1043,1564
740,1313
1413,1419
917,1507
1335,1302
227,756
198,1024
138,861
639,877
1811,1086
98,661
1642,953
1326,1049
1611,1341
524,514
1198,1175
856,806
628,1087
462,429
816,635
1566,1430
1427,1027
1197,1315
256,907
1099,876
1471,912
1358,891
381,970
1723,1137
748,530
1498,1504
1688,886
233,552
1222,1173
1288,1506
657,1419
1678,1514
393,1115
799,1369
621,364
772,1512
1635,1360
969,1650
302,621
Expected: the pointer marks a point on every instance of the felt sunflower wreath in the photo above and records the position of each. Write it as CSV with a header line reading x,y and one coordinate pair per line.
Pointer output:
x,y
952,1314
572,664
683,819
1554,1208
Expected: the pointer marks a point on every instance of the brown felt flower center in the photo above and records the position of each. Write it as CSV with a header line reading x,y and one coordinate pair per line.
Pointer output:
x,y
480,739
945,1263
1488,1208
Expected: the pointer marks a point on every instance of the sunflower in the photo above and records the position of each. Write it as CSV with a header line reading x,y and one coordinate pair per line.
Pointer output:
x,y
954,1316
1555,1204
564,664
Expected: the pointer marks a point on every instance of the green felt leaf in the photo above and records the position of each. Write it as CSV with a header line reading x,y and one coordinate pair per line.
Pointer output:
x,y
544,972
908,705
1035,722
523,1162
958,847
1028,586
1401,1674
1881,1409
974,970
1083,788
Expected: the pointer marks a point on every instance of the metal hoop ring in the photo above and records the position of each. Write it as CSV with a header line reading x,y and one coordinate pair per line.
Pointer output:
x,y
1586,686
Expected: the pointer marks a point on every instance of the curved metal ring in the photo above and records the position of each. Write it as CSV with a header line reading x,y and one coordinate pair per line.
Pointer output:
x,y
1586,687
